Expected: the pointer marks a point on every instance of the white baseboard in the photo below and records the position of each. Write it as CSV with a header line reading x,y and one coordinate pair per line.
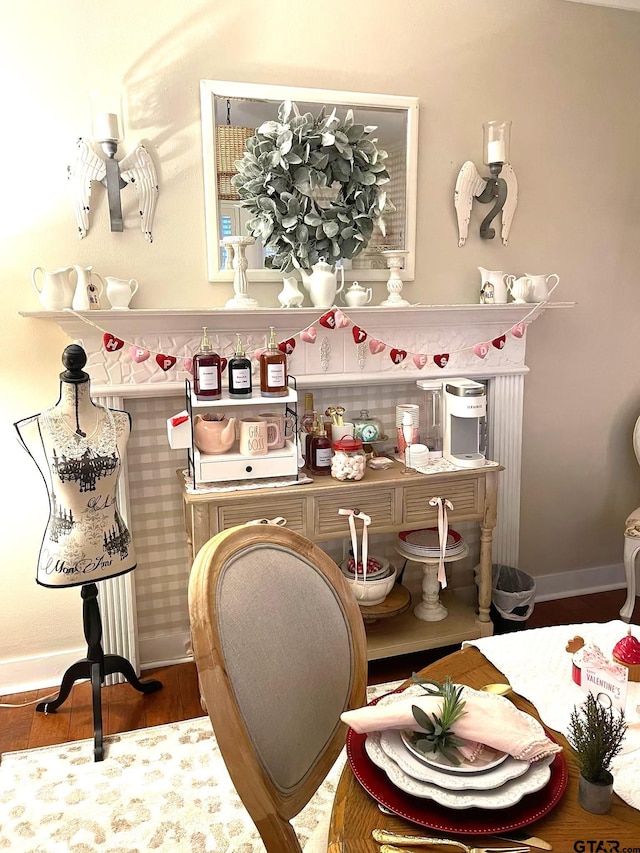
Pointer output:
x,y
20,675
580,582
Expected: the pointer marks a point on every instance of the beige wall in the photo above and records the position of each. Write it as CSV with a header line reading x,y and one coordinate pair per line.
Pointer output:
x,y
566,74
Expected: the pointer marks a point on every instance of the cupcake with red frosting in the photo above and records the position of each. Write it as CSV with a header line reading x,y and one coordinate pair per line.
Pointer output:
x,y
627,652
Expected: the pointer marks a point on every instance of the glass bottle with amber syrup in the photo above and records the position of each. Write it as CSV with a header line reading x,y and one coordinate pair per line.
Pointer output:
x,y
207,371
320,452
239,372
273,369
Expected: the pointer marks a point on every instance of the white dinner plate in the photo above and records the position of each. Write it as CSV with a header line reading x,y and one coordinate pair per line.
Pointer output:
x,y
392,744
508,794
443,764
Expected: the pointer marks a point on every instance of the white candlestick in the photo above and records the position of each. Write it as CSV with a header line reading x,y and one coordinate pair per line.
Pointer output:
x,y
106,127
495,151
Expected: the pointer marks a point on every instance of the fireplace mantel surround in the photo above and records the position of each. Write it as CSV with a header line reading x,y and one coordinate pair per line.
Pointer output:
x,y
332,360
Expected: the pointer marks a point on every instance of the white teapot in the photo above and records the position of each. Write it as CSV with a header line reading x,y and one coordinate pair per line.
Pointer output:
x,y
322,284
356,296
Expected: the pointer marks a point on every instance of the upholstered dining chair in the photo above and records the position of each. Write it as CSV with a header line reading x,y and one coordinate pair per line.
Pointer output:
x,y
280,649
632,543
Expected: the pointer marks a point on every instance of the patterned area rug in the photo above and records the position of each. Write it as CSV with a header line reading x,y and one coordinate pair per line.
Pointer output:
x,y
162,789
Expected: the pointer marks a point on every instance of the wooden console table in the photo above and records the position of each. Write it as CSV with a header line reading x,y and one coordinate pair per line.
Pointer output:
x,y
395,502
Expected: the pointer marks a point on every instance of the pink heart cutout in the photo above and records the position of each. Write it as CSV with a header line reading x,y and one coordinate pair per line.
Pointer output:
x,y
188,365
481,350
419,359
376,346
139,354
309,335
341,320
258,353
518,330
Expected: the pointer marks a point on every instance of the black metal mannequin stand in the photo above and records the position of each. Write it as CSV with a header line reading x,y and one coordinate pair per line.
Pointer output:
x,y
96,666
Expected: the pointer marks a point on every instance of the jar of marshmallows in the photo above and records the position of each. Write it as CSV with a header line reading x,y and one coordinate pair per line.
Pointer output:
x,y
348,460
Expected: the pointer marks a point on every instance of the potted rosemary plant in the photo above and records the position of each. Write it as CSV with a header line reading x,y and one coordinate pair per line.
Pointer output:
x,y
596,733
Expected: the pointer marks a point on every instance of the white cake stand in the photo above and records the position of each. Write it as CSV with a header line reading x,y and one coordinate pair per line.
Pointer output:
x,y
395,262
241,299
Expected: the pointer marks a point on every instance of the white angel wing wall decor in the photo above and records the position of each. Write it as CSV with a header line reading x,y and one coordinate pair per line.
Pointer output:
x,y
136,169
502,188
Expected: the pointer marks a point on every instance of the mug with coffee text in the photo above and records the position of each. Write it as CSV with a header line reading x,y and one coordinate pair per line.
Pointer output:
x,y
257,436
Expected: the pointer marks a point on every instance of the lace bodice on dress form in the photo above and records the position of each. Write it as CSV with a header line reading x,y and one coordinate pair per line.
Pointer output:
x,y
86,539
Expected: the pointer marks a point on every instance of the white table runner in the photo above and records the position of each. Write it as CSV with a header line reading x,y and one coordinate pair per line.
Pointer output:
x,y
538,667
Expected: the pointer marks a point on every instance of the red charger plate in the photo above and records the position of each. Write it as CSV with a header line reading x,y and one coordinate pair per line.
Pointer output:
x,y
472,821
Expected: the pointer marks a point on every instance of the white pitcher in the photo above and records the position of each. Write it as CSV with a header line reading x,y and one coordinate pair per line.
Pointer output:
x,y
81,297
56,288
120,291
540,286
518,287
496,278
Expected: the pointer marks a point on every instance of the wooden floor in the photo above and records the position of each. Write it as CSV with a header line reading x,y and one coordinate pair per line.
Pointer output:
x,y
125,709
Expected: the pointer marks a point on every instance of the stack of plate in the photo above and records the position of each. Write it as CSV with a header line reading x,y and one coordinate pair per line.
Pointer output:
x,y
498,782
426,542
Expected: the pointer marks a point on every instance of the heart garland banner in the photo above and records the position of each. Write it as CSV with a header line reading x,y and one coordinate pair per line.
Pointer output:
x,y
333,319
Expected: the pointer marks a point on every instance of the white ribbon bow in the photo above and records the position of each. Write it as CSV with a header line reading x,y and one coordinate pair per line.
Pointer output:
x,y
443,534
366,521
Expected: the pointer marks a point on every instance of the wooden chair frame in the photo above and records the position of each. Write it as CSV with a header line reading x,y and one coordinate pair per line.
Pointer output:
x,y
269,809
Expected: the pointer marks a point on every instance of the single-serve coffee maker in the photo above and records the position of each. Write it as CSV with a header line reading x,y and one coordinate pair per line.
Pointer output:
x,y
464,424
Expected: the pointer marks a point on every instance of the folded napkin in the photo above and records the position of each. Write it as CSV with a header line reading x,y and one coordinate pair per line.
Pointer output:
x,y
490,720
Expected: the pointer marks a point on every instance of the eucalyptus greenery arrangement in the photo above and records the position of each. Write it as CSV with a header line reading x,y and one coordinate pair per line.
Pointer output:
x,y
314,187
596,733
438,735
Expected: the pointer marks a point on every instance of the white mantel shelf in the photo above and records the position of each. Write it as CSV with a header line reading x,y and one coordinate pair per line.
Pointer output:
x,y
333,359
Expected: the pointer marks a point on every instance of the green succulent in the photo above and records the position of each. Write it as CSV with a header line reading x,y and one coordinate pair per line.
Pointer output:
x,y
438,735
314,187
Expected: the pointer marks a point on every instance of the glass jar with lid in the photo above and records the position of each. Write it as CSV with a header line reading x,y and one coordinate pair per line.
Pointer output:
x,y
348,462
367,428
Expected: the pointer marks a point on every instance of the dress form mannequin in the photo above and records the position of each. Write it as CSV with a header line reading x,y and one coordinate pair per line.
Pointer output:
x,y
78,447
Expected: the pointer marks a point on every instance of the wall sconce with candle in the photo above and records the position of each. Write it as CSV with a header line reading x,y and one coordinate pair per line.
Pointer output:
x,y
501,187
89,166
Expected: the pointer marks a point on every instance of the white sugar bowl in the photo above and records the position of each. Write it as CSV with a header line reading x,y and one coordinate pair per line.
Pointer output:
x,y
370,592
356,296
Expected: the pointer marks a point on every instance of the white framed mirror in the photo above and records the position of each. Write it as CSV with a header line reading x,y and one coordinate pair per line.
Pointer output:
x,y
232,111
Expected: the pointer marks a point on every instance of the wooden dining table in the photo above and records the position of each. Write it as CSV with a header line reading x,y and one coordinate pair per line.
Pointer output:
x,y
567,827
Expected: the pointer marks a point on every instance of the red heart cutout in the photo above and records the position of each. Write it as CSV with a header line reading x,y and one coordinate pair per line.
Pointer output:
x,y
223,363
442,360
376,346
328,320
518,330
111,343
398,355
166,362
287,346
499,342
359,335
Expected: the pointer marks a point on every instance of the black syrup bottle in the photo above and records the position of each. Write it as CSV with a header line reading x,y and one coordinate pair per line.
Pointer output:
x,y
239,372
207,371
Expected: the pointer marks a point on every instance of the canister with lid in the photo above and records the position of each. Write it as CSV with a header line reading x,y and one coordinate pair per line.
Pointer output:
x,y
367,428
348,462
